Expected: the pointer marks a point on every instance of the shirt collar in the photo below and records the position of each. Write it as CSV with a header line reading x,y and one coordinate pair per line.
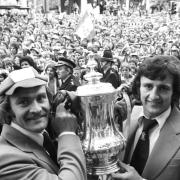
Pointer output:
x,y
161,119
37,137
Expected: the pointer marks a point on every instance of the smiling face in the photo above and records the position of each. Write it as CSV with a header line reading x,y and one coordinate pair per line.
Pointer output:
x,y
30,107
156,95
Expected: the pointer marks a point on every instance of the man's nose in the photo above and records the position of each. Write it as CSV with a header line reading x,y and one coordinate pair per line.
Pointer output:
x,y
35,107
154,94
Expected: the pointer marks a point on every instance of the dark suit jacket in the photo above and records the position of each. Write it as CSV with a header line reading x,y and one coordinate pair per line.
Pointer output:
x,y
22,158
68,85
164,160
112,76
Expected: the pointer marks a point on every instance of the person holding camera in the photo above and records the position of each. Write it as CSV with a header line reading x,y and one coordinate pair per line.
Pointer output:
x,y
26,151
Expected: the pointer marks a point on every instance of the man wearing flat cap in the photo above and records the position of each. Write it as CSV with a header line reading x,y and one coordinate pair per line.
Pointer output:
x,y
110,75
26,150
65,74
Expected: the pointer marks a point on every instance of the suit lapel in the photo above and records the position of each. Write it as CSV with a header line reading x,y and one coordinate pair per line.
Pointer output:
x,y
165,147
26,144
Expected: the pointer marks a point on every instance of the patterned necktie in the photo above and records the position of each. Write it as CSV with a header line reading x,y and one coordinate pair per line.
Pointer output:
x,y
141,151
49,146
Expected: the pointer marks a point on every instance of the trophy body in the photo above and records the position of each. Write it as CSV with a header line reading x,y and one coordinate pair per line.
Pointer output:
x,y
102,142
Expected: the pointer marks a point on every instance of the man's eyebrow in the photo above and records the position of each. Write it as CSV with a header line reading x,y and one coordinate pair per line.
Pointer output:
x,y
23,97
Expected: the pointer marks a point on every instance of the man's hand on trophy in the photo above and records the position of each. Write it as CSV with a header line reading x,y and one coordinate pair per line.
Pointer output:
x,y
64,121
73,103
59,98
129,173
123,88
70,99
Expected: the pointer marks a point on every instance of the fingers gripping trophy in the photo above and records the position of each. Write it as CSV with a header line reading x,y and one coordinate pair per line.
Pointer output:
x,y
102,142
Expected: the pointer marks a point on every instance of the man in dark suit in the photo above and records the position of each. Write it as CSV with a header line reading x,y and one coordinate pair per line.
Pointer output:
x,y
110,75
25,148
65,74
157,85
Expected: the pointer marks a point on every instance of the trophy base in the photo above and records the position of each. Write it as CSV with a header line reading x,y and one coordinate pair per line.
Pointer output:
x,y
103,170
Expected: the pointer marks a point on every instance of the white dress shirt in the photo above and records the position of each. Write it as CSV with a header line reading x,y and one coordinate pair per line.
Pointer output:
x,y
154,132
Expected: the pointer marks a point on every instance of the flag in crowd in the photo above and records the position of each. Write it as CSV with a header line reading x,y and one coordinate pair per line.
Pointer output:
x,y
85,27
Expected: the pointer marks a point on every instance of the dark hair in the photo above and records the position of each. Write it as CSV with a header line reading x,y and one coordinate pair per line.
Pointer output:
x,y
29,60
155,68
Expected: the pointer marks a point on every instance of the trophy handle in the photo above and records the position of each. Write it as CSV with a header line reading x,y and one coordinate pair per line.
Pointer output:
x,y
121,93
126,124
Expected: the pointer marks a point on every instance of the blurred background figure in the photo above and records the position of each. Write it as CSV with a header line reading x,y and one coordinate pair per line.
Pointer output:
x,y
50,71
110,75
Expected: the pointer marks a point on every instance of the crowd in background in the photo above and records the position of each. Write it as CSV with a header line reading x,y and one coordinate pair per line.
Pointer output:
x,y
129,37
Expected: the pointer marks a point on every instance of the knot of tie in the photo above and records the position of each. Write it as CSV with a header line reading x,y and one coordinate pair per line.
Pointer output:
x,y
148,124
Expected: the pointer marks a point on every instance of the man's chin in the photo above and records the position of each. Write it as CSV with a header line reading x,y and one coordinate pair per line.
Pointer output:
x,y
39,127
152,112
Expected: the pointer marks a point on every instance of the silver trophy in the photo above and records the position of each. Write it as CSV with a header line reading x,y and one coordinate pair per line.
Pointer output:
x,y
102,141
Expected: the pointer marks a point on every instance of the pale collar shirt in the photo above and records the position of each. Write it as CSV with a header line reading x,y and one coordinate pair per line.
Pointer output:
x,y
154,132
37,137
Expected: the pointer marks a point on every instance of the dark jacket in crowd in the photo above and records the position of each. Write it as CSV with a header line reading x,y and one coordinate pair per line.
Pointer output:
x,y
112,76
69,84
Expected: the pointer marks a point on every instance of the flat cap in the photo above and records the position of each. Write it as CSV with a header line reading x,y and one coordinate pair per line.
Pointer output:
x,y
25,78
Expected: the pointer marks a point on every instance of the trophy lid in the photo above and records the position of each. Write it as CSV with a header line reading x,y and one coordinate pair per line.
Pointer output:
x,y
94,86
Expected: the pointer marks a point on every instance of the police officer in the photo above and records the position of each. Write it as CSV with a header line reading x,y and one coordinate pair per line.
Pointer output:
x,y
110,75
64,69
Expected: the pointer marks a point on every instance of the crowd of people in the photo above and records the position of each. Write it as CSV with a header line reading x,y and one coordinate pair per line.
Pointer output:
x,y
42,56
129,38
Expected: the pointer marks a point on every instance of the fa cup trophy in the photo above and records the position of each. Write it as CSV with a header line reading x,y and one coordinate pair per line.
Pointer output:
x,y
102,141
